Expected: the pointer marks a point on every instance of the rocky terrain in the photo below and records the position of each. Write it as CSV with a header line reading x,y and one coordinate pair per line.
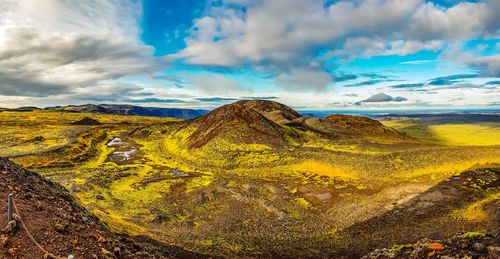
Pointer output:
x,y
60,226
457,207
249,179
240,123
467,245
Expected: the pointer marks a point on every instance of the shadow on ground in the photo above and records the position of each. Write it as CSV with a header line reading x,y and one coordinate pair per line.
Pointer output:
x,y
429,215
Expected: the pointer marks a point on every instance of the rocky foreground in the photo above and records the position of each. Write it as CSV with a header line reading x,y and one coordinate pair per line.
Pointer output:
x,y
467,245
59,226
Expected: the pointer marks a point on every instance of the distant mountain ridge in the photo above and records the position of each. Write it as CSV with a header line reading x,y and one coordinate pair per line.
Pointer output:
x,y
122,109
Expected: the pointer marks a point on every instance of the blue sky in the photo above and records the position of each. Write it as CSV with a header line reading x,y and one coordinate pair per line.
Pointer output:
x,y
309,54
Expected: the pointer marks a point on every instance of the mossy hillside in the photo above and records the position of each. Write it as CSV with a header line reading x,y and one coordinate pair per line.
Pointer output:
x,y
290,199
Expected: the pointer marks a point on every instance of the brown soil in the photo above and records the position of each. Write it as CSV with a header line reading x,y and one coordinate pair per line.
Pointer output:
x,y
61,226
237,123
357,125
460,246
86,121
274,111
428,215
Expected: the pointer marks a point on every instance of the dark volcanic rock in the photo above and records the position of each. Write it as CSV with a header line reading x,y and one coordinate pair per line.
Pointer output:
x,y
460,246
239,123
86,121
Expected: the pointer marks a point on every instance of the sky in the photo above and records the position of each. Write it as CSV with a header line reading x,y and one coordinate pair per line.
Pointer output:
x,y
314,54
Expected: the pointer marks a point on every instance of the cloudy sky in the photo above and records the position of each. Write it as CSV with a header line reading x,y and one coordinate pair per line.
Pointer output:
x,y
314,54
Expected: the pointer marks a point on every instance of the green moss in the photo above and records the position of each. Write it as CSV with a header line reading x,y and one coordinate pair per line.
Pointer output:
x,y
473,234
302,202
398,249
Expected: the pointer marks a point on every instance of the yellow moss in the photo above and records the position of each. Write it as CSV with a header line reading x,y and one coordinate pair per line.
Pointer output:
x,y
198,182
467,134
325,169
118,223
134,196
79,180
102,150
475,211
438,172
116,193
205,242
302,201
231,184
473,234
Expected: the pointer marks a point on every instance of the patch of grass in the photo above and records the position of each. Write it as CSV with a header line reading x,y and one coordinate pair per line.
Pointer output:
x,y
412,127
397,249
325,169
473,234
475,212
467,134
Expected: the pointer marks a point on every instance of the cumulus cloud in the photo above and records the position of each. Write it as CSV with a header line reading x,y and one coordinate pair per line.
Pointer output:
x,y
382,97
60,64
114,18
488,66
369,47
230,35
17,84
83,51
399,99
214,83
50,48
304,79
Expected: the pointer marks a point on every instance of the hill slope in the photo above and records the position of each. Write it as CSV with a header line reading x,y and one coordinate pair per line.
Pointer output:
x,y
269,124
239,123
60,225
274,111
348,126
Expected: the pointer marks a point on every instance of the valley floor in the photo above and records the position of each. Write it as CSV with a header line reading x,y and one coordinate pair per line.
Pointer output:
x,y
320,198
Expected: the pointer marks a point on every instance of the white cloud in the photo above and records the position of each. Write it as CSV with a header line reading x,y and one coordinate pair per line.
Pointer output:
x,y
304,79
382,97
418,62
114,18
290,32
488,66
72,51
368,47
50,48
214,83
71,60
